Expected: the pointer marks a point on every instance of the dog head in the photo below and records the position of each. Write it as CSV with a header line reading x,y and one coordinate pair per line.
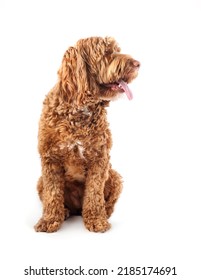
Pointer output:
x,y
95,69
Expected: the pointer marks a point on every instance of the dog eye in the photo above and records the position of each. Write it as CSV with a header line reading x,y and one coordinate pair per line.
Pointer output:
x,y
108,52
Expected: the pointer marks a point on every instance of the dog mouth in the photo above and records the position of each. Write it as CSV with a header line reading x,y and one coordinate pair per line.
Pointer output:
x,y
121,86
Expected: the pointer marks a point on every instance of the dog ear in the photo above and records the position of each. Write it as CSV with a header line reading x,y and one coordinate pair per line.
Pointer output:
x,y
73,76
66,72
81,75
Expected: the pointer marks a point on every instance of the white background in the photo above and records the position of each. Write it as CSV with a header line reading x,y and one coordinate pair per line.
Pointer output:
x,y
157,137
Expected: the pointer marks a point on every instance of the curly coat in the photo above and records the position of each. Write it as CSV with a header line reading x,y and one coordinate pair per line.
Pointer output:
x,y
74,138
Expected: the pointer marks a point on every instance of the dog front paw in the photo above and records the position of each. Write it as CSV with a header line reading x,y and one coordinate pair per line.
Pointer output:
x,y
47,226
97,225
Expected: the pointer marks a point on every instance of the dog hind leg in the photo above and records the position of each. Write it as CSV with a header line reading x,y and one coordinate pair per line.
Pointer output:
x,y
113,187
40,188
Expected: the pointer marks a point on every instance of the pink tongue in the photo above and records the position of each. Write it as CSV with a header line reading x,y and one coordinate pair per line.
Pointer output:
x,y
126,89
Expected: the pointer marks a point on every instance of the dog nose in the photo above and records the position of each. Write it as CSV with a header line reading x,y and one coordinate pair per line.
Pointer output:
x,y
136,63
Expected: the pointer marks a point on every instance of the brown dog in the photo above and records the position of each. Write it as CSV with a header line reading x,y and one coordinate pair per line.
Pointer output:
x,y
74,138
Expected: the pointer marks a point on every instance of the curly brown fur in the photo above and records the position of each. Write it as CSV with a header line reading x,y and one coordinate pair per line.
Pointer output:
x,y
74,138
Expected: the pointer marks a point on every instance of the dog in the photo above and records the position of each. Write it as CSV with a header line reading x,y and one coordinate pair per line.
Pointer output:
x,y
74,139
